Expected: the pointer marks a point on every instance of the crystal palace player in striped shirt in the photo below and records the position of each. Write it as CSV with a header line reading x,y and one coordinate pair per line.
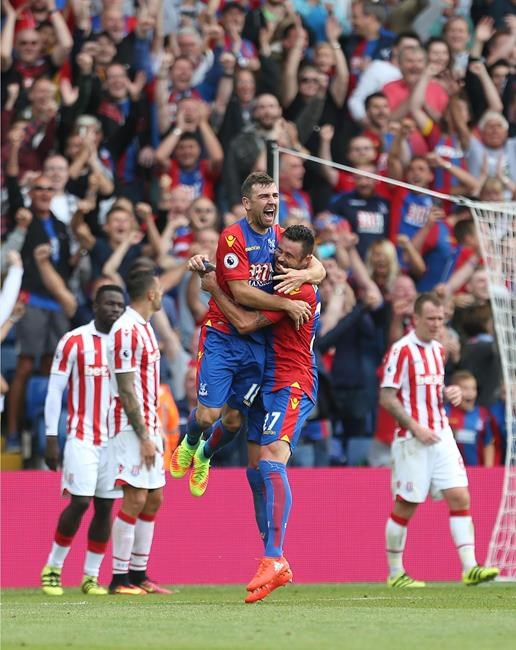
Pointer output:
x,y
135,441
289,393
80,365
425,454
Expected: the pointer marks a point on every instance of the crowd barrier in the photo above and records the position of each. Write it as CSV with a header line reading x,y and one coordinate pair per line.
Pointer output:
x,y
335,533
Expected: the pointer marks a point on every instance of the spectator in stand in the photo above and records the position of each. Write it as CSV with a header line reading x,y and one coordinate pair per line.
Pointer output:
x,y
378,128
379,73
479,353
113,256
22,58
456,34
31,135
312,94
186,142
294,202
366,213
232,20
412,62
493,149
233,108
174,82
369,40
42,313
63,203
471,424
381,261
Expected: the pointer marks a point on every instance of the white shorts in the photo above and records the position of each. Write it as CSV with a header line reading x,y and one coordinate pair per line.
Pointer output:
x,y
419,469
126,464
86,472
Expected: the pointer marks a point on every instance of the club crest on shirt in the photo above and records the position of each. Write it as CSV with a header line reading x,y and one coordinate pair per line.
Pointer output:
x,y
230,240
203,389
230,261
271,243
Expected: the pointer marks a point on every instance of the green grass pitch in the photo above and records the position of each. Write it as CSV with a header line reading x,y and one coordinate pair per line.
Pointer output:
x,y
315,617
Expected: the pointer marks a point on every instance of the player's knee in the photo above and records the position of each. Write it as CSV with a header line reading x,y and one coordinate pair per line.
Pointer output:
x,y
134,501
232,420
458,500
278,452
206,416
80,504
153,502
102,507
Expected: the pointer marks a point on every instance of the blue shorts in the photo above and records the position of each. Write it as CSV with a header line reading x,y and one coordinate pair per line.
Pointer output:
x,y
281,416
229,370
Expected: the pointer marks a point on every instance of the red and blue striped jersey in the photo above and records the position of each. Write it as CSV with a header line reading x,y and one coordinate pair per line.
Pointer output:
x,y
243,254
290,359
472,431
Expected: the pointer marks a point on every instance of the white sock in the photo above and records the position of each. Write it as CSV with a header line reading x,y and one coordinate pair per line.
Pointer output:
x,y
143,535
92,564
395,538
58,555
123,539
463,533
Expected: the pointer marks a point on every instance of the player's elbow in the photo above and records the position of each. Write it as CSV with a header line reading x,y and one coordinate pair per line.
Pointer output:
x,y
244,327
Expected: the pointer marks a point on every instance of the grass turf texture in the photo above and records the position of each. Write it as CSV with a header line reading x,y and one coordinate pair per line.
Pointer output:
x,y
315,617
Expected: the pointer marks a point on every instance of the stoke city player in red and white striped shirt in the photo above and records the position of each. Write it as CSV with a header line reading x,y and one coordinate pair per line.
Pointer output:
x,y
80,365
135,441
424,452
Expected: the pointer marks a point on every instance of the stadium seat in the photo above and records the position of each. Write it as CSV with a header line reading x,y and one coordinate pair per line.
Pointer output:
x,y
357,450
8,361
35,397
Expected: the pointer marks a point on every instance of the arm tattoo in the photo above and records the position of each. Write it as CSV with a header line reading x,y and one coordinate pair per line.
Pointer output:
x,y
392,404
261,320
125,382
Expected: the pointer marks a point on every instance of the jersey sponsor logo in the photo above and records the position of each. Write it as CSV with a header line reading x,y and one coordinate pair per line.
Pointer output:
x,y
429,380
260,274
252,248
466,436
230,261
203,389
417,215
230,240
96,371
268,432
294,403
370,222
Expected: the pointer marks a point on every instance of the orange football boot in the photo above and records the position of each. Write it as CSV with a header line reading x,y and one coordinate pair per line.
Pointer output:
x,y
260,593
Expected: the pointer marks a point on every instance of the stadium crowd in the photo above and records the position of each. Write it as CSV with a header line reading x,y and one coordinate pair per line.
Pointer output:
x,y
129,126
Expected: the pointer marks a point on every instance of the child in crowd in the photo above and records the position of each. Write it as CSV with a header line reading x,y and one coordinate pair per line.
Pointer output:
x,y
471,424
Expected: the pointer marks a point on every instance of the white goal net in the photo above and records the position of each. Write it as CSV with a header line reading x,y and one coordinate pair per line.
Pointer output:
x,y
496,225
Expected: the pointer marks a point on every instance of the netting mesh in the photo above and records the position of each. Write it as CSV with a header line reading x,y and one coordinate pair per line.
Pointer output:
x,y
496,225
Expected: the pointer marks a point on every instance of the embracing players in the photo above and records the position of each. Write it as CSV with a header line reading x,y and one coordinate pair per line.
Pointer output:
x,y
230,366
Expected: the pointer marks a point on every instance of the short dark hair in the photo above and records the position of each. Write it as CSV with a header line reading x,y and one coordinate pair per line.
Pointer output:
x,y
407,34
370,98
463,228
302,234
423,298
116,208
255,178
105,288
371,8
139,282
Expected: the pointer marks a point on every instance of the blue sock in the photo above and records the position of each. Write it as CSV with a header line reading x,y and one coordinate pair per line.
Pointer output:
x,y
255,480
193,429
219,437
279,502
